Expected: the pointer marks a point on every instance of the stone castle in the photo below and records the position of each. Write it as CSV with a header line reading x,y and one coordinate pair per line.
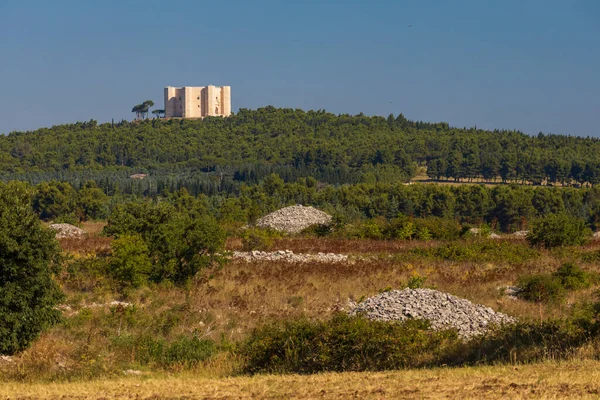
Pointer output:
x,y
197,102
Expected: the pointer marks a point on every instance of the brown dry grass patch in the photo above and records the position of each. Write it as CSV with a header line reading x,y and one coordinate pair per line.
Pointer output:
x,y
574,379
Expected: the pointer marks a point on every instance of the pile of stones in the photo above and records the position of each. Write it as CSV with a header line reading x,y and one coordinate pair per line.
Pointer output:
x,y
520,234
442,310
294,219
67,231
288,256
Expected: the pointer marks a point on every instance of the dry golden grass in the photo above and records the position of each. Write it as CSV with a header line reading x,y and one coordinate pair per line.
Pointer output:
x,y
574,379
242,296
86,245
93,228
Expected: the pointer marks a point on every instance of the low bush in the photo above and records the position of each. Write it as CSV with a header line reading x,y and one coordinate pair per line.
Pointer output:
x,y
541,288
557,230
259,239
357,344
552,288
344,344
525,342
403,228
182,352
480,250
573,277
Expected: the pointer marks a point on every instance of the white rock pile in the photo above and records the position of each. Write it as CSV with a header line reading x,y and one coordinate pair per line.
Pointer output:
x,y
480,232
443,310
294,219
288,256
520,234
67,231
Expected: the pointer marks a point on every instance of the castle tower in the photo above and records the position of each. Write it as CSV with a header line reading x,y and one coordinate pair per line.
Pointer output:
x,y
197,101
226,100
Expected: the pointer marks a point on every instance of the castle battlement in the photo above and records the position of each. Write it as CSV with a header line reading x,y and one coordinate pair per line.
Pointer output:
x,y
197,102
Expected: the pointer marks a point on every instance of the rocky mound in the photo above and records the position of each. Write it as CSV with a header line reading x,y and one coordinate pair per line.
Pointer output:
x,y
288,256
443,310
294,219
67,231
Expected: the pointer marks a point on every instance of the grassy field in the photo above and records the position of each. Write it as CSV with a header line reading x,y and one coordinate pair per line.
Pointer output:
x,y
92,347
575,379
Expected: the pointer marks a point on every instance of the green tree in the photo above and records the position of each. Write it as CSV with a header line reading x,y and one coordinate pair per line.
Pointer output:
x,y
130,261
188,246
557,230
158,113
28,258
180,244
91,202
54,199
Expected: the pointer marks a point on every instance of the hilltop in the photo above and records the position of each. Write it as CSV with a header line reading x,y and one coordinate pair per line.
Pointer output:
x,y
294,143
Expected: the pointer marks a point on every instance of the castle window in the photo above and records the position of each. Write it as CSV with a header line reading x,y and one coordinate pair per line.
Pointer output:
x,y
179,97
198,98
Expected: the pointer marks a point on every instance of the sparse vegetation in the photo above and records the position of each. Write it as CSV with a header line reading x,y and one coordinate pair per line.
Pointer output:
x,y
145,290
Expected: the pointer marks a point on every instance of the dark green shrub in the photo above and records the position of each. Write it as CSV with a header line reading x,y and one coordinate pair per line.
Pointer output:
x,y
344,344
439,228
130,262
54,199
541,288
319,230
572,277
557,230
91,202
416,282
66,219
523,342
29,255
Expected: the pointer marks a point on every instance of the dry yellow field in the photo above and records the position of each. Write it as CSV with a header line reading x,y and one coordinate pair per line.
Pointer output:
x,y
574,379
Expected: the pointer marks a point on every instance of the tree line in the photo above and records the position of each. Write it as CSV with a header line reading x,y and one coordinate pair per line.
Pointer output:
x,y
506,208
336,149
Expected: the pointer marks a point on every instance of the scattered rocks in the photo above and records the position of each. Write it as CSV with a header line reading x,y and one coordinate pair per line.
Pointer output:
x,y
512,292
443,310
288,256
480,232
294,219
68,311
6,359
596,235
132,372
67,231
138,176
520,234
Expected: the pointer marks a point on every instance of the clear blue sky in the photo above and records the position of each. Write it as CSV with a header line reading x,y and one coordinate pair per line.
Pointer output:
x,y
531,65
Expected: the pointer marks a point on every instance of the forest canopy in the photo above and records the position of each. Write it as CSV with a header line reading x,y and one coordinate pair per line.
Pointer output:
x,y
335,149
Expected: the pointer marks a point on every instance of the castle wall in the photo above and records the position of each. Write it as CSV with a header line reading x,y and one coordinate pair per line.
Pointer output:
x,y
226,100
192,105
197,102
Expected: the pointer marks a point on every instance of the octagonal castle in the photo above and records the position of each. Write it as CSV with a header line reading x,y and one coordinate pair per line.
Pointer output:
x,y
197,102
